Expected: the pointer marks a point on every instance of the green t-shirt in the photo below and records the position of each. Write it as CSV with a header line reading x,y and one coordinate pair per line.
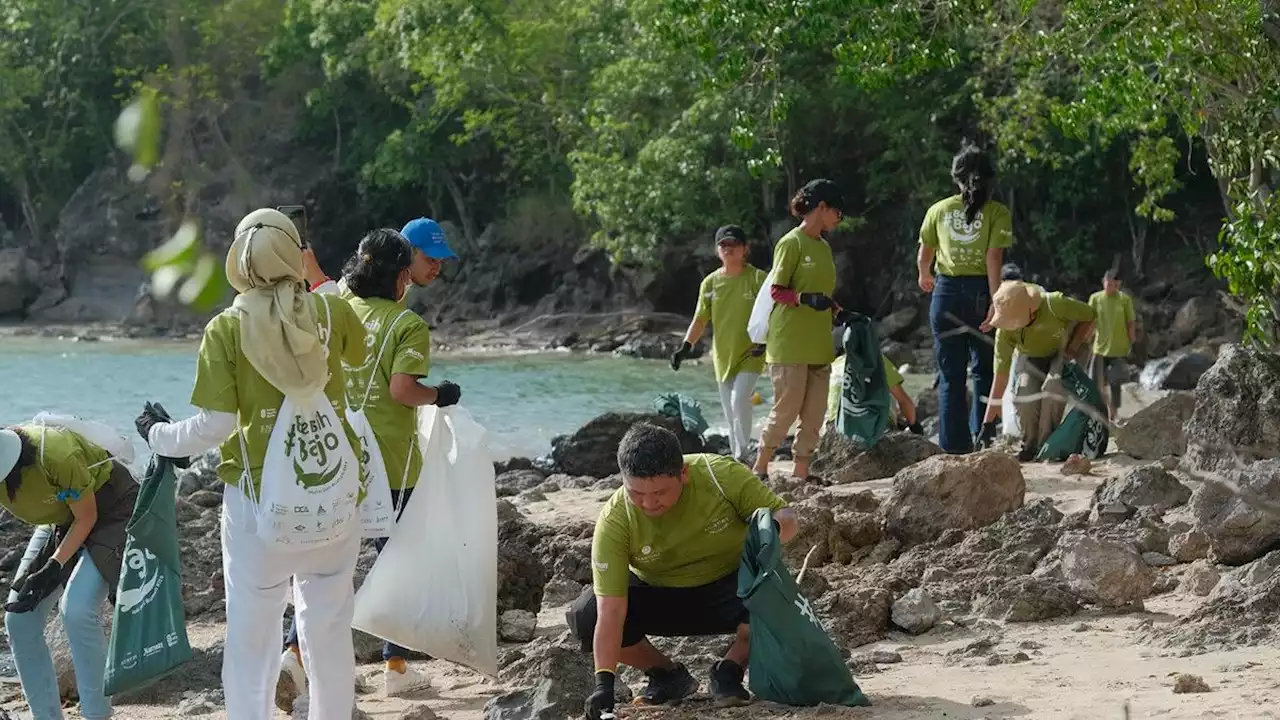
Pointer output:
x,y
726,302
1047,333
1114,313
699,540
801,335
64,461
961,247
891,376
408,352
227,382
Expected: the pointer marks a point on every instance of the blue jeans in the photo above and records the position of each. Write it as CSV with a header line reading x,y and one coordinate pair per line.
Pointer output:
x,y
80,604
958,307
389,649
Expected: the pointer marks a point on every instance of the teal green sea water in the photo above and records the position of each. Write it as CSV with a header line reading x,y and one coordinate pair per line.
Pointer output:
x,y
523,400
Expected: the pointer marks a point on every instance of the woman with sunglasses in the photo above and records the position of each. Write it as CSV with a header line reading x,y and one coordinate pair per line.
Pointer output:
x,y
725,299
799,348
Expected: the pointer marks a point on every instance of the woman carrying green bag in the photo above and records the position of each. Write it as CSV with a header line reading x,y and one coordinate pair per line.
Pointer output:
x,y
80,501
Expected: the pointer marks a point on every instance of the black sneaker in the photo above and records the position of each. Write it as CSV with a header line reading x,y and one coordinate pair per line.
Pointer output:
x,y
668,686
726,684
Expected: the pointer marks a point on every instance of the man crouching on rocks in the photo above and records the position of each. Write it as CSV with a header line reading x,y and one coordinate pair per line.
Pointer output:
x,y
665,562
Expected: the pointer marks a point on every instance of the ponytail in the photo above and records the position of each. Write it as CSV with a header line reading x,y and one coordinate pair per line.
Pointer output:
x,y
971,169
373,270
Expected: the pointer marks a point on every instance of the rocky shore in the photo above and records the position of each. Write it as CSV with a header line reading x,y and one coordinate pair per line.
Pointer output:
x,y
967,586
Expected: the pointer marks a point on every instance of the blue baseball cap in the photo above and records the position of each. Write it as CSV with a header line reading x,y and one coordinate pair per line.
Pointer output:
x,y
426,235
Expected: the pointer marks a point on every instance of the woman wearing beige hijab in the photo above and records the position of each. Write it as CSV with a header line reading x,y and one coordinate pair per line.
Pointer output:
x,y
276,340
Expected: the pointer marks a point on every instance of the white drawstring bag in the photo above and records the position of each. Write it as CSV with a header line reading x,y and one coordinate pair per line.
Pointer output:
x,y
434,587
758,323
377,511
117,446
310,475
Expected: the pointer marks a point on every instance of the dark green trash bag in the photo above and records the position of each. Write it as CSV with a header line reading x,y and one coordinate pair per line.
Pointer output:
x,y
864,393
149,628
792,661
1081,431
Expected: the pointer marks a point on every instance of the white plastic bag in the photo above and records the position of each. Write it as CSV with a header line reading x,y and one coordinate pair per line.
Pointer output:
x,y
434,587
758,323
1008,403
117,446
377,512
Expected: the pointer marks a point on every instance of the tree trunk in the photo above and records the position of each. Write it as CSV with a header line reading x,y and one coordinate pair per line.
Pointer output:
x,y
1138,228
460,203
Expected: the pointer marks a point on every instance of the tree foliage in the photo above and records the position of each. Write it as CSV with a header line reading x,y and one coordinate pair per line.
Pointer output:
x,y
653,121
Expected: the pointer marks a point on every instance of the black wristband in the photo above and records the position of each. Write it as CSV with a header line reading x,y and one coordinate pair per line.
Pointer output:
x,y
605,679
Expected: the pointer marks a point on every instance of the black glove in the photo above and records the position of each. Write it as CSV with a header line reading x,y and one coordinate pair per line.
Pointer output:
x,y
916,428
987,437
757,350
678,356
36,587
600,702
447,394
152,414
817,301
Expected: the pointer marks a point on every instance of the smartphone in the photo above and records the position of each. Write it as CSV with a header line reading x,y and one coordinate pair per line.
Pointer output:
x,y
298,214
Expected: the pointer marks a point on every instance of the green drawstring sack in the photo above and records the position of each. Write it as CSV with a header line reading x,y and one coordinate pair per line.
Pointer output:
x,y
864,412
1081,431
793,661
683,407
149,628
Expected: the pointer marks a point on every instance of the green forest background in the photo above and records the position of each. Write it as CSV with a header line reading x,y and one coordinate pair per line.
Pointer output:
x,y
1144,131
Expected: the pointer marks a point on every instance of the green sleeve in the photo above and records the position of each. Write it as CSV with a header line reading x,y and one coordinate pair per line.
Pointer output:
x,y
215,388
1094,301
66,464
1001,227
891,375
610,549
413,348
353,348
743,489
786,258
703,311
1129,314
1068,308
1005,345
929,229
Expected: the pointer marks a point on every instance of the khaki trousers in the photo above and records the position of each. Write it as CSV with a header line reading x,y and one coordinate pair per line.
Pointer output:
x,y
799,392
1040,399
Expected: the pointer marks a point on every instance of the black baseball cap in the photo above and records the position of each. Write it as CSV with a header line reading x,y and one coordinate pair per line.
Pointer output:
x,y
731,234
823,191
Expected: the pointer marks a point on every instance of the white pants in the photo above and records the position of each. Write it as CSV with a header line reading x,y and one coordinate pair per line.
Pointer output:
x,y
257,585
735,398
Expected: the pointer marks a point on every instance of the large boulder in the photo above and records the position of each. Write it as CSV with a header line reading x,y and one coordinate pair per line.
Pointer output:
x,y
593,449
521,575
839,461
952,492
1196,316
1158,430
1143,486
1179,371
899,323
1241,609
19,281
1029,599
1237,413
1240,513
553,677
1104,572
834,529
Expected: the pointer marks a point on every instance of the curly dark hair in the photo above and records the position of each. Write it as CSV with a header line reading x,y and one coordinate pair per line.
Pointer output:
x,y
26,456
372,272
972,170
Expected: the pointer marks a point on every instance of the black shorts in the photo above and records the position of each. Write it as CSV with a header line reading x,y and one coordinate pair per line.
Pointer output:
x,y
711,609
1109,373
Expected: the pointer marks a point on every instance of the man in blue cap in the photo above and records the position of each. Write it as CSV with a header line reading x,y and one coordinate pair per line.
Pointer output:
x,y
430,251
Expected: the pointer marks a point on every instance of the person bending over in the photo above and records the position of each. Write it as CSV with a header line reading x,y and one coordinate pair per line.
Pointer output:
x,y
665,562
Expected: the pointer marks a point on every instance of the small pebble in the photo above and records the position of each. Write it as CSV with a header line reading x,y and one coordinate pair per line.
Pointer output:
x,y
994,660
1081,627
1189,684
1030,645
886,657
1019,657
982,701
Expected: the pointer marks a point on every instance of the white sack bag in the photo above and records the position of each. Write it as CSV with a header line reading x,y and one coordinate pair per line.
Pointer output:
x,y
434,587
1008,403
758,323
310,476
117,446
377,512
